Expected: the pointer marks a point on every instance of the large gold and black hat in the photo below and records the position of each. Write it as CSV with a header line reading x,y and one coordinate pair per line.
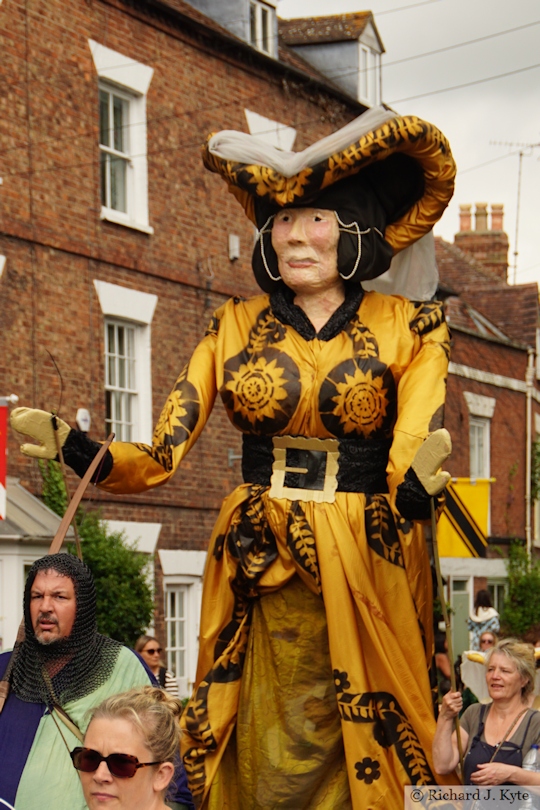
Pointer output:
x,y
389,178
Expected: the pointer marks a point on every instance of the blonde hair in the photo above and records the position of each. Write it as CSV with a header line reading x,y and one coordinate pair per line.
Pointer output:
x,y
522,655
154,712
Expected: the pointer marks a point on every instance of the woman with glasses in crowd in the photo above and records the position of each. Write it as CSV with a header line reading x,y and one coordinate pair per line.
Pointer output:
x,y
150,651
484,618
129,752
487,641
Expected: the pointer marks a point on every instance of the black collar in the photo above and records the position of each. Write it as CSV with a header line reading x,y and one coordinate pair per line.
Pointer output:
x,y
286,311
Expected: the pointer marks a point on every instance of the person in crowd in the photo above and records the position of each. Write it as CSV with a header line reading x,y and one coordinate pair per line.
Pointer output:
x,y
150,651
442,663
127,759
317,566
496,736
472,674
62,668
483,618
487,641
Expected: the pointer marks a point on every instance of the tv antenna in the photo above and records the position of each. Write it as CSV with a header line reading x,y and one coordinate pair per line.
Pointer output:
x,y
525,149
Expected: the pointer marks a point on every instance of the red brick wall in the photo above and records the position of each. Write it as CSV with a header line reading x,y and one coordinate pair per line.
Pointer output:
x,y
56,244
507,428
490,248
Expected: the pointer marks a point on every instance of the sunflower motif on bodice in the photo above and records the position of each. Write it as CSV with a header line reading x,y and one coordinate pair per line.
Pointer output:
x,y
358,396
261,385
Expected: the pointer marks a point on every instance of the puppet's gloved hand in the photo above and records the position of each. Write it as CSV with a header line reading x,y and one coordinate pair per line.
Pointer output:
x,y
429,459
78,450
424,479
39,426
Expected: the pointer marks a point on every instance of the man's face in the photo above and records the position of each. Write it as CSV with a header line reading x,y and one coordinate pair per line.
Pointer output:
x,y
52,606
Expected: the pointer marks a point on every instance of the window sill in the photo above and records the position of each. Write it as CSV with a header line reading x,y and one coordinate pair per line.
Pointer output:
x,y
110,215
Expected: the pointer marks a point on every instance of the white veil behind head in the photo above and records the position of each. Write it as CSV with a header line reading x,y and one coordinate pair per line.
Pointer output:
x,y
412,273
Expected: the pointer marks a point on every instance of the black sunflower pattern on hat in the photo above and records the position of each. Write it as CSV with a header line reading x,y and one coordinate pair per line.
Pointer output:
x,y
358,395
261,386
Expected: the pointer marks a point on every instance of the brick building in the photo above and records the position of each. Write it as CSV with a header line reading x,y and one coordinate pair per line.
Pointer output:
x,y
493,401
116,246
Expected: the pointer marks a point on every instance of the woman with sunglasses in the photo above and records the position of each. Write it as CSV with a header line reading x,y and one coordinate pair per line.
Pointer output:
x,y
150,651
130,748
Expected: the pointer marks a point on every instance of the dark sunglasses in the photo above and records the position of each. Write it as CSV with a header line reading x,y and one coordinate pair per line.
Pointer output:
x,y
157,650
124,766
486,641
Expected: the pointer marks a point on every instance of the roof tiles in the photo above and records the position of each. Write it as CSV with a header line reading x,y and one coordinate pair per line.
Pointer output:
x,y
512,310
335,28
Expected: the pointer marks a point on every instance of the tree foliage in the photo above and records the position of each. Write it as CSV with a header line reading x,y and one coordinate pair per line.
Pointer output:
x,y
521,611
124,596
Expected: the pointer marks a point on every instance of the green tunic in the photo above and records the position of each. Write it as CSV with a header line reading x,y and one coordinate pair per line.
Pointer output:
x,y
49,779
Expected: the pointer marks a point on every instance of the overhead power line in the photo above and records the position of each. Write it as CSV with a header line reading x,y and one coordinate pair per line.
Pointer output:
x,y
405,8
443,49
465,84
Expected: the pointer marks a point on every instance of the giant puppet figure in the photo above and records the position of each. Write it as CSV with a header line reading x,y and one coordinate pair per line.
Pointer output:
x,y
312,686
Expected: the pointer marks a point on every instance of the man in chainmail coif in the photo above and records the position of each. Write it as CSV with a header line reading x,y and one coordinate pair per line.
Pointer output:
x,y
63,668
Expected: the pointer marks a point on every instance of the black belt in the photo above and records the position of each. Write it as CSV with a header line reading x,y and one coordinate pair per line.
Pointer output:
x,y
361,465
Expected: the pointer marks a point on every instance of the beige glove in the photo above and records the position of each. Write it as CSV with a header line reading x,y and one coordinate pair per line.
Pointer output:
x,y
38,425
429,459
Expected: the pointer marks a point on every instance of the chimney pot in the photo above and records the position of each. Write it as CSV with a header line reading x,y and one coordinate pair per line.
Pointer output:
x,y
465,218
497,215
481,217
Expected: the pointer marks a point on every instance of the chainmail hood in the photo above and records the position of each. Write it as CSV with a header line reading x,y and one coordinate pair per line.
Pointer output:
x,y
90,657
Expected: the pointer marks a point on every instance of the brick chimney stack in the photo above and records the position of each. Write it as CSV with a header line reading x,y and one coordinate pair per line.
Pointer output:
x,y
465,218
489,247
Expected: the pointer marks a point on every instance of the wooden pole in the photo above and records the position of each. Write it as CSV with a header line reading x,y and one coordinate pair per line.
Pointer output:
x,y
446,617
66,484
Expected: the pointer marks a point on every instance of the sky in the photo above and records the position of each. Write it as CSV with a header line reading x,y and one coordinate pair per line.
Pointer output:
x,y
476,119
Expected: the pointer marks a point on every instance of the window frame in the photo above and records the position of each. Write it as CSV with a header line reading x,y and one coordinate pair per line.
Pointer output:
x,y
130,80
495,586
124,393
111,152
174,651
257,12
368,74
480,423
133,308
191,586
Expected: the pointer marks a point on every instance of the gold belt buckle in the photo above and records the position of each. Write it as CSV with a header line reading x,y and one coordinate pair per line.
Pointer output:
x,y
324,494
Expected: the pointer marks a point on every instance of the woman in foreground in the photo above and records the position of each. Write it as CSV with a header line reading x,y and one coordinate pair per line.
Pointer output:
x,y
497,736
130,746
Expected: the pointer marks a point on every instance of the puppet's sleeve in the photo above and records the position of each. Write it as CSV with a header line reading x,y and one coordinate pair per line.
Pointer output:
x,y
138,467
420,398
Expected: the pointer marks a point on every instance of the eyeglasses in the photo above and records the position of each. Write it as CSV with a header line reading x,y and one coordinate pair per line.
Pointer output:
x,y
155,651
486,641
124,766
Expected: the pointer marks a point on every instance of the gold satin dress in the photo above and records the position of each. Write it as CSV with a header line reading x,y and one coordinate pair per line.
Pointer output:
x,y
312,686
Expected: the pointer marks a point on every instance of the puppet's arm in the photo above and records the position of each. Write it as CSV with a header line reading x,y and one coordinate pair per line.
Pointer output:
x,y
131,467
421,395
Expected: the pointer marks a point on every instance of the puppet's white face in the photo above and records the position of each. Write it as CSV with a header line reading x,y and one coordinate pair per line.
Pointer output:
x,y
305,241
